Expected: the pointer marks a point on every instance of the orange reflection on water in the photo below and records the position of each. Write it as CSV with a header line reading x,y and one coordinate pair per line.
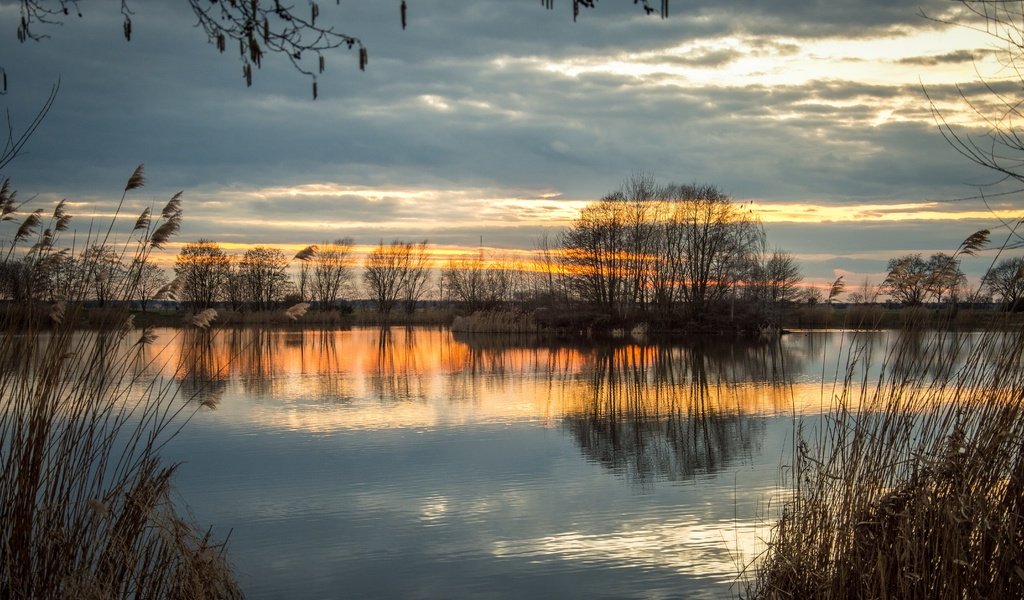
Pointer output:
x,y
398,377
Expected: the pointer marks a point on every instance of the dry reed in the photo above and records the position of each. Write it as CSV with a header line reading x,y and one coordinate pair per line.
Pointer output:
x,y
911,486
496,321
85,509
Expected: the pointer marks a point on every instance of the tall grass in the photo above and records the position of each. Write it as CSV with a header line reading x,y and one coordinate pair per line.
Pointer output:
x,y
496,321
911,486
85,506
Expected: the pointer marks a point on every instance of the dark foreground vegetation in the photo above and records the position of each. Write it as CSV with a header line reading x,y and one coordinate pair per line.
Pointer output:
x,y
85,500
911,487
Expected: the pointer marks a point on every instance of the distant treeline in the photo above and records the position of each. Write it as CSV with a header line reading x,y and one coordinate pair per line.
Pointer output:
x,y
671,255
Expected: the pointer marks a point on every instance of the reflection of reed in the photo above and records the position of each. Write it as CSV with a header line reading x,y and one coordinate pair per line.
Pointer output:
x,y
672,413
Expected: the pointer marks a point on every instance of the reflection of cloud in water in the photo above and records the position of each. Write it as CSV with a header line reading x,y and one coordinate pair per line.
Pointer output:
x,y
689,546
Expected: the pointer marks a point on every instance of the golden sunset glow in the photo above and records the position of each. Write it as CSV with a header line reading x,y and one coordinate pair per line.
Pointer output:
x,y
784,61
366,379
778,212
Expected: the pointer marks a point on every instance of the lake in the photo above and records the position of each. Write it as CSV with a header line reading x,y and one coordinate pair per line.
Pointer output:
x,y
414,463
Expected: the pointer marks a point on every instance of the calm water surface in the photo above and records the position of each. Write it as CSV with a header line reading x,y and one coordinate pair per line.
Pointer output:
x,y
414,464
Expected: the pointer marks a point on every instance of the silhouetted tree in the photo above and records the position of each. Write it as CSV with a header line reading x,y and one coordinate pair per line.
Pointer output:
x,y
332,271
203,268
418,279
945,280
777,279
479,283
677,247
233,289
151,279
1006,281
264,276
912,279
257,28
384,272
105,273
908,279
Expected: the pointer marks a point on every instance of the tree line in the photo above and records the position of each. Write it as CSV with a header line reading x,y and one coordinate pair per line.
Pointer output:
x,y
663,253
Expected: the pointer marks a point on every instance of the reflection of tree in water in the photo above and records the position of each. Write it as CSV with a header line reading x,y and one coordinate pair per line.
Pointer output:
x,y
202,368
256,351
260,360
671,412
398,376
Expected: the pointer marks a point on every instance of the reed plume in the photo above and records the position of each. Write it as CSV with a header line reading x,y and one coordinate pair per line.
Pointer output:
x,y
911,486
85,500
204,318
306,253
296,311
137,179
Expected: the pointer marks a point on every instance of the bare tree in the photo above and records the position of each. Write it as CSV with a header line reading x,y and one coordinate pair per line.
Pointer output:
x,y
233,289
151,279
549,277
203,268
945,279
481,283
718,241
305,277
777,279
332,271
912,279
866,293
1006,281
106,274
672,247
263,272
397,272
1001,147
54,275
593,255
257,28
907,281
418,279
812,295
384,273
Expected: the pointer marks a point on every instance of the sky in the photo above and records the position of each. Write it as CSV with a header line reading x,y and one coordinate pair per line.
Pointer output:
x,y
492,122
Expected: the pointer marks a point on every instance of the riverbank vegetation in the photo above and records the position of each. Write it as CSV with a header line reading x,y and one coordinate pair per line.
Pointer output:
x,y
672,258
910,484
910,487
85,500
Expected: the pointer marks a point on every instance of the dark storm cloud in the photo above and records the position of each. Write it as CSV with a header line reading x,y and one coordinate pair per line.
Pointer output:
x,y
185,106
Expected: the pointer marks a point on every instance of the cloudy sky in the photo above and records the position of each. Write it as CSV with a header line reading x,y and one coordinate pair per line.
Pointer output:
x,y
497,120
